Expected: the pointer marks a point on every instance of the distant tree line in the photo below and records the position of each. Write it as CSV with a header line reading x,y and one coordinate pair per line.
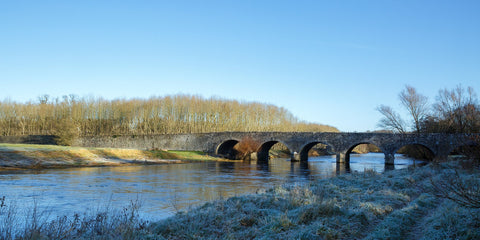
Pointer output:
x,y
72,116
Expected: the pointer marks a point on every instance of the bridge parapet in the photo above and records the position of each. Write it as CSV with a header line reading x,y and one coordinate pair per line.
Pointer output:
x,y
297,142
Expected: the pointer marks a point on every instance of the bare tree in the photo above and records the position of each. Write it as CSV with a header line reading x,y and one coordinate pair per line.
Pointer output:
x,y
458,110
416,105
391,120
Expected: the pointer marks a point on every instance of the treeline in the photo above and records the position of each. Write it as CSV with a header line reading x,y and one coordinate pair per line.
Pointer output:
x,y
453,111
86,116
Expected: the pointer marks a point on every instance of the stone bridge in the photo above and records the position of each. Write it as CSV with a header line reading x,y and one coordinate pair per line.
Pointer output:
x,y
299,143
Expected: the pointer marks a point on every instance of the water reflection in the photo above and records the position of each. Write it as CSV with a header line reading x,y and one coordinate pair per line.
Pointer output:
x,y
389,167
165,188
263,168
342,168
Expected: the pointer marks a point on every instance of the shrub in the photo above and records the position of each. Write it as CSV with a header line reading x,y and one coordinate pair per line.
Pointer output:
x,y
66,132
463,190
246,147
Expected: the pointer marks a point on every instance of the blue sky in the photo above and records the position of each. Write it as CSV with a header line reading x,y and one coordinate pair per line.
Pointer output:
x,y
329,62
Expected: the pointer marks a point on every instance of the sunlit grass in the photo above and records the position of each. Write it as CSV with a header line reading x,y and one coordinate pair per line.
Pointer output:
x,y
34,147
38,156
190,155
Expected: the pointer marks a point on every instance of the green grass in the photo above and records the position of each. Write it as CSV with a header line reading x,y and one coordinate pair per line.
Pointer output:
x,y
192,155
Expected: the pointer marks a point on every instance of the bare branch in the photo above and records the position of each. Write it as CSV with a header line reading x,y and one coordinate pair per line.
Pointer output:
x,y
391,120
465,192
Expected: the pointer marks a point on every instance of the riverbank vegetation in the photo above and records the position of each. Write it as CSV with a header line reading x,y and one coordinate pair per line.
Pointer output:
x,y
73,116
30,156
413,203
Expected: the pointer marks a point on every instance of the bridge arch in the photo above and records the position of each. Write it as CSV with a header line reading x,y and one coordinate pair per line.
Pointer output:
x,y
353,146
421,150
307,147
468,149
227,149
264,149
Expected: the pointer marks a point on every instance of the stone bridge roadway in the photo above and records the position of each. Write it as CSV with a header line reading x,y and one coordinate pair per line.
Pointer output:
x,y
299,143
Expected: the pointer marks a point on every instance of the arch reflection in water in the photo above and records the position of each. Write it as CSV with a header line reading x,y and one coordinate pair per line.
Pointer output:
x,y
165,188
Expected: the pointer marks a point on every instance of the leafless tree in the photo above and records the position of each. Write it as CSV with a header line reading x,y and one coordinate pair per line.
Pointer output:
x,y
457,110
416,104
391,120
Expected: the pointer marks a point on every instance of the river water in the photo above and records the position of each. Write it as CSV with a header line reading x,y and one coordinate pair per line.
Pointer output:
x,y
165,189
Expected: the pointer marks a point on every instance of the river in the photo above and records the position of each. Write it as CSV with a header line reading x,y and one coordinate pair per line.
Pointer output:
x,y
165,189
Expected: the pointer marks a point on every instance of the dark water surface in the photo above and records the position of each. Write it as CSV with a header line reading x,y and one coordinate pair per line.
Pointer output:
x,y
164,189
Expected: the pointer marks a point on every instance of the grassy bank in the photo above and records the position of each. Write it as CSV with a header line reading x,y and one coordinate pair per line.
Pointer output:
x,y
415,203
28,156
401,204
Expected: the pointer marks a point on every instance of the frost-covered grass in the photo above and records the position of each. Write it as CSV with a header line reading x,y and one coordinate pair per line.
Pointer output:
x,y
105,223
400,204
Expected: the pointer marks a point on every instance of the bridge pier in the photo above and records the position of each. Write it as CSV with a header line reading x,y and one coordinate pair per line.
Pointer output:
x,y
442,154
262,156
342,168
389,158
253,156
295,157
343,158
440,158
